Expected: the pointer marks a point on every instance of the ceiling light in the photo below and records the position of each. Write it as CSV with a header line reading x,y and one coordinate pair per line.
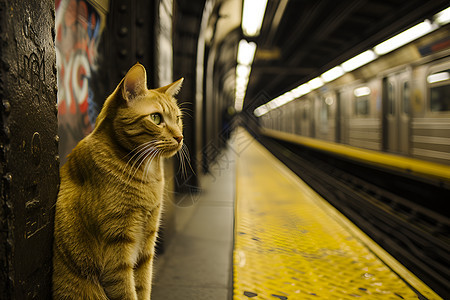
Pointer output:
x,y
301,90
358,61
404,38
242,82
245,55
238,105
252,16
285,98
362,91
442,17
246,52
240,90
242,70
332,74
437,77
315,83
272,104
262,110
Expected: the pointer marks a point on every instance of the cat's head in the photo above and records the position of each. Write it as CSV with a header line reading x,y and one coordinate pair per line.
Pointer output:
x,y
146,118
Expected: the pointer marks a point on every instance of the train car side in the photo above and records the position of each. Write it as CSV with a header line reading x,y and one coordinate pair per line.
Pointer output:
x,y
400,105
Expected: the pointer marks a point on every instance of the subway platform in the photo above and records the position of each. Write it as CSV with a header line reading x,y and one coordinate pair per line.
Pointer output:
x,y
259,232
198,262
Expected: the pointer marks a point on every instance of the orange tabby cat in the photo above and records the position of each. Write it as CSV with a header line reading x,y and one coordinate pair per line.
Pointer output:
x,y
109,203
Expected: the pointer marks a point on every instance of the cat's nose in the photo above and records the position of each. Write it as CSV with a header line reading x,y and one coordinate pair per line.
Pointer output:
x,y
178,138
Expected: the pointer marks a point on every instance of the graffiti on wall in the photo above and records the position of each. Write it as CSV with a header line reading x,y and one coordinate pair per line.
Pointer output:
x,y
78,27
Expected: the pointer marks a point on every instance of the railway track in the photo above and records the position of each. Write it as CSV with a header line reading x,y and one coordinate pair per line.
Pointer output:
x,y
404,216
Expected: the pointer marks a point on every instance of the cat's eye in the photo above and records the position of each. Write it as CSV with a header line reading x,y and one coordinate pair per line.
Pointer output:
x,y
156,118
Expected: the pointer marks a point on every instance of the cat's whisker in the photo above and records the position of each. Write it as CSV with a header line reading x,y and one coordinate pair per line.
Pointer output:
x,y
138,161
182,166
137,152
184,103
185,160
187,111
151,151
180,160
143,153
154,155
140,147
142,157
185,150
184,109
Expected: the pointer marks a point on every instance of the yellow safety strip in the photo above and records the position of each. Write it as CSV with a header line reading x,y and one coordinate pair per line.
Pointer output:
x,y
400,163
291,244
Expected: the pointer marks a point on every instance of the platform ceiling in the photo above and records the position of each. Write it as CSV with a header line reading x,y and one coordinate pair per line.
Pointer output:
x,y
300,39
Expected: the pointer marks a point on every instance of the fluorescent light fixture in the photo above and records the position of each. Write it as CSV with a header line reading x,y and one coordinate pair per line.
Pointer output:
x,y
278,101
252,16
301,90
245,55
358,61
404,37
362,91
262,110
241,82
315,83
240,91
285,98
246,52
239,101
242,71
442,17
272,104
438,77
242,76
332,74
238,106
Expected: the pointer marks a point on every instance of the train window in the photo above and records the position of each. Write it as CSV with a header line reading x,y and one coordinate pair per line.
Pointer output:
x,y
362,106
439,91
405,97
362,103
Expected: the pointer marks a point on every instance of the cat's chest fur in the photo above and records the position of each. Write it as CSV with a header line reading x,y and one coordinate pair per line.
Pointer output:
x,y
127,180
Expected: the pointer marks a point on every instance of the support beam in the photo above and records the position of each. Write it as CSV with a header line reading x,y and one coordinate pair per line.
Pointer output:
x,y
29,161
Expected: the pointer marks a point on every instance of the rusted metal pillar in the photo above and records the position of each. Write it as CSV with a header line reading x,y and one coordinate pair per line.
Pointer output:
x,y
29,160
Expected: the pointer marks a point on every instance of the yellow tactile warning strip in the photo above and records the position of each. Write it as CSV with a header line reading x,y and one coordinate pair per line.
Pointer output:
x,y
291,244
406,164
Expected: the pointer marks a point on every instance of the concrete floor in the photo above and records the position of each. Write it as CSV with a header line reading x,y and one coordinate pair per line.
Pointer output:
x,y
198,262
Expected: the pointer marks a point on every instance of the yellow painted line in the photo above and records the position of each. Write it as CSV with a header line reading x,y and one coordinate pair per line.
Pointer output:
x,y
291,244
396,162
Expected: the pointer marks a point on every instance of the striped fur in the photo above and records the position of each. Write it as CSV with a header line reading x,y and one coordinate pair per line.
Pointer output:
x,y
110,198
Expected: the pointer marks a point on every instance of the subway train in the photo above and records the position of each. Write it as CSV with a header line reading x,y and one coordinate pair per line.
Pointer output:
x,y
398,103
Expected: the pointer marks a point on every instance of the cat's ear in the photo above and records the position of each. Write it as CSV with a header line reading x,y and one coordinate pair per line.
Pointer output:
x,y
171,89
135,82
